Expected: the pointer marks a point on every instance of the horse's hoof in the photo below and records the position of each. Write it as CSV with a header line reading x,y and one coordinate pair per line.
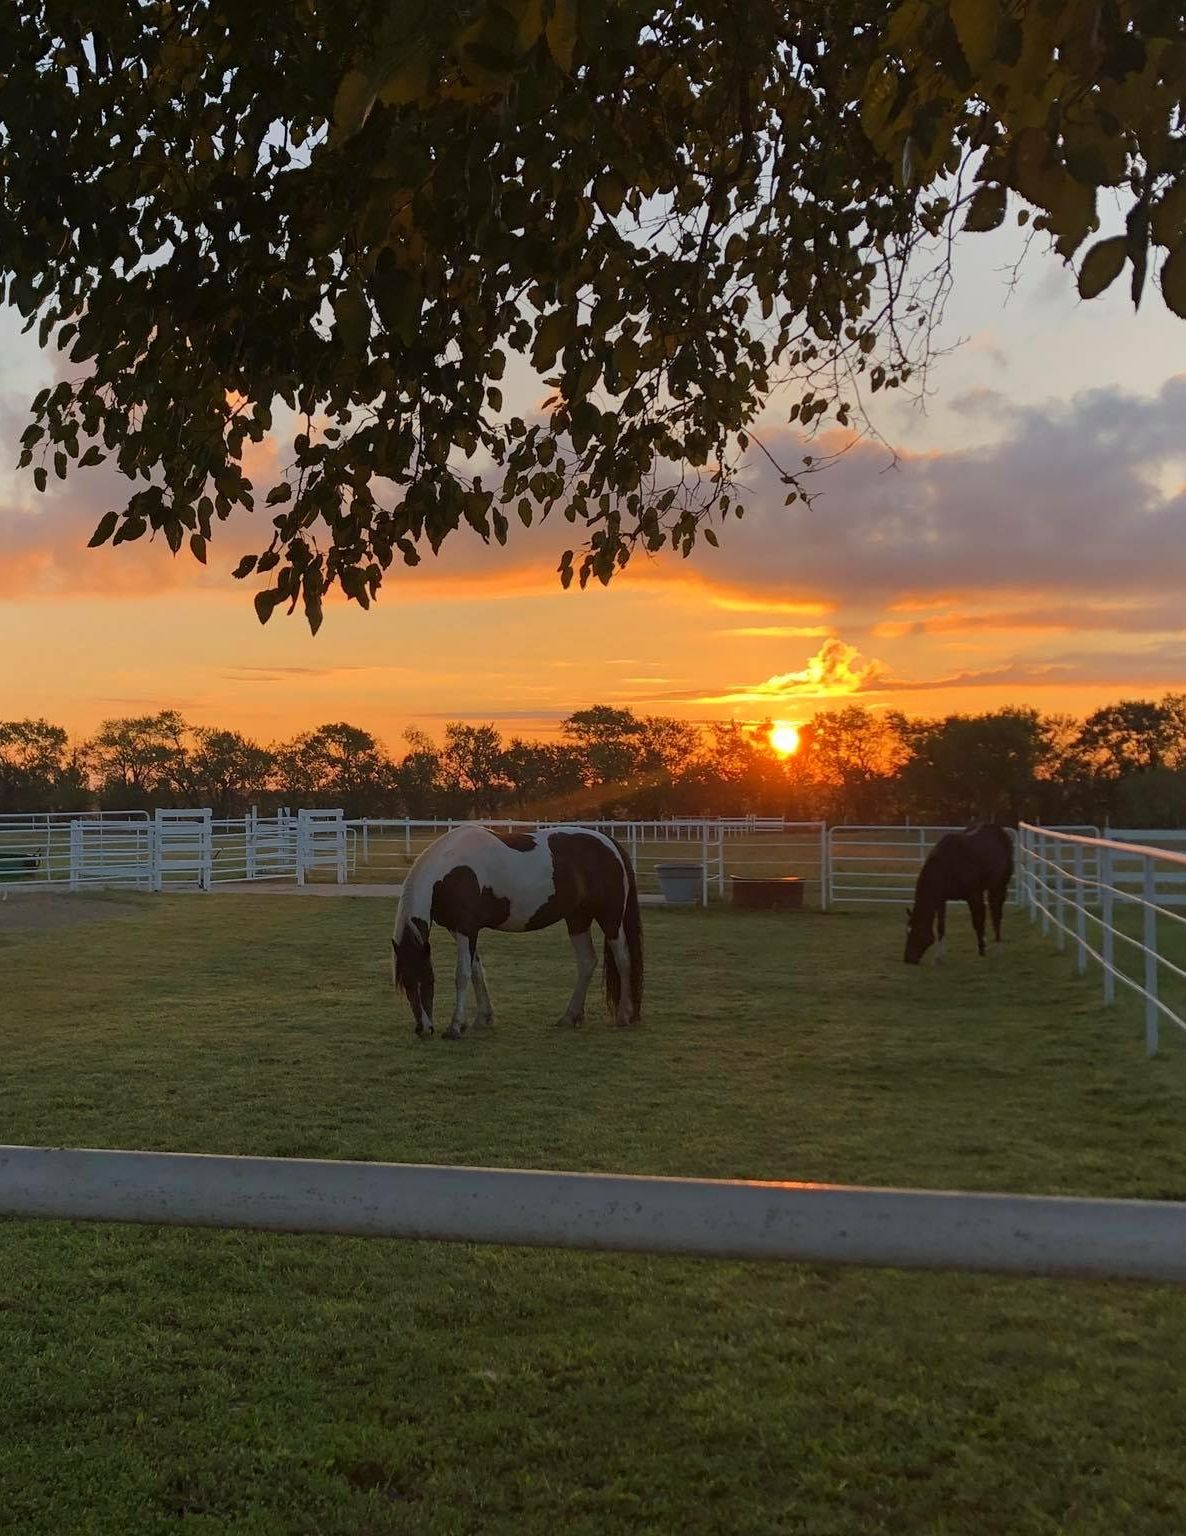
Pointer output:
x,y
454,1032
566,1021
484,1021
422,1033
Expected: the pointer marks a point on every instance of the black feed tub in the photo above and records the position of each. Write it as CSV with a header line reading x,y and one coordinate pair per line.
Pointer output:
x,y
779,893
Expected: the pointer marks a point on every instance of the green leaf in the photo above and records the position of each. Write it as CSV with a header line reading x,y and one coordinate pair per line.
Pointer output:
x,y
610,192
197,546
266,603
104,531
352,103
551,334
40,477
987,209
93,456
244,567
1173,279
1102,265
278,493
561,32
312,589
407,82
976,24
352,315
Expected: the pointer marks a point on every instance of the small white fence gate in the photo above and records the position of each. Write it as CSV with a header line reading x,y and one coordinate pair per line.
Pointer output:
x,y
110,852
183,849
270,849
321,843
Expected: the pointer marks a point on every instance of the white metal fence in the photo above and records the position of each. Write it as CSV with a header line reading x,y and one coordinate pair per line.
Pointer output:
x,y
384,849
1118,903
880,864
839,865
704,1218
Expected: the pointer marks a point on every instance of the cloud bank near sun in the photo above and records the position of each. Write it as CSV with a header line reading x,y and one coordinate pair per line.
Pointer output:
x,y
1049,553
1082,501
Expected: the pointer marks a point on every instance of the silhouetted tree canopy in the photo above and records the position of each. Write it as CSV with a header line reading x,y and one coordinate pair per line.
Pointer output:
x,y
363,210
853,764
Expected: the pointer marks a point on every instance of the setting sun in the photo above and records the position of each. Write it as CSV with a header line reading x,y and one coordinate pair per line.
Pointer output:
x,y
784,739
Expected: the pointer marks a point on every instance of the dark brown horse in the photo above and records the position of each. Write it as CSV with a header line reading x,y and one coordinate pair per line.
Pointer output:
x,y
962,866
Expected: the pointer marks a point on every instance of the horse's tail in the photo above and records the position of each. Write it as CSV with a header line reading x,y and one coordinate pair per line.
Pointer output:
x,y
632,933
1009,852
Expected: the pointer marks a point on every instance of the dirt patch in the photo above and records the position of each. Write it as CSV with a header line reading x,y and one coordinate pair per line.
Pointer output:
x,y
32,910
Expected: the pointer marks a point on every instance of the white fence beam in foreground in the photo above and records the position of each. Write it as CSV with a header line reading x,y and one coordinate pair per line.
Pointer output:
x,y
796,1223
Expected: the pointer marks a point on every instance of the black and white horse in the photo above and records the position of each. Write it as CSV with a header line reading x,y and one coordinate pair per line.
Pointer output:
x,y
962,866
515,882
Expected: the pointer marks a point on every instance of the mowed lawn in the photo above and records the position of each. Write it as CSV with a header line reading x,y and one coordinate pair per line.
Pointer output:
x,y
155,1380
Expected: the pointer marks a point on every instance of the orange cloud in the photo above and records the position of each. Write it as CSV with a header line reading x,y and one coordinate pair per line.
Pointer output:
x,y
836,670
1144,618
732,601
782,632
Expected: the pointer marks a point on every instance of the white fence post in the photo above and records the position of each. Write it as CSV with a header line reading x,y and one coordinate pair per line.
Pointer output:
x,y
1107,908
1080,912
1150,930
825,867
75,854
705,834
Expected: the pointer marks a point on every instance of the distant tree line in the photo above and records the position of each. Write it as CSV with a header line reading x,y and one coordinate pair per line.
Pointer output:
x,y
1124,763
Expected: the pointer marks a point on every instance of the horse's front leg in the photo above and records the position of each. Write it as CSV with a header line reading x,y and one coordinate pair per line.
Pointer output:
x,y
586,958
463,977
976,908
941,931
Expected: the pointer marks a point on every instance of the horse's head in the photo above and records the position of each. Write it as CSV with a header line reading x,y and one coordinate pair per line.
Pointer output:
x,y
413,970
920,935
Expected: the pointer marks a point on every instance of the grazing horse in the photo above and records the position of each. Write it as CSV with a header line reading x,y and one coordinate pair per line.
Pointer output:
x,y
962,866
515,882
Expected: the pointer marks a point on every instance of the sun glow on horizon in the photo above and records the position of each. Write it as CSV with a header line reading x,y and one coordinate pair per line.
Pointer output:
x,y
784,738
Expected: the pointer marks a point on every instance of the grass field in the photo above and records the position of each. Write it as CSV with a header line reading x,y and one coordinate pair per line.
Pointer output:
x,y
331,1387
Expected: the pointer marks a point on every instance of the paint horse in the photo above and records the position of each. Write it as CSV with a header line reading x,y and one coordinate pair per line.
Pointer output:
x,y
515,882
962,866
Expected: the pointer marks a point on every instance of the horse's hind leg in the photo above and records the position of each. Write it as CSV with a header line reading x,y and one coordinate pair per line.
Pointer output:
x,y
941,931
586,956
463,975
620,951
996,906
485,1013
976,908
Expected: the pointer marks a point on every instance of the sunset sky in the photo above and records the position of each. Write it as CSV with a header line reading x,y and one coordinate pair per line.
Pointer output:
x,y
1027,548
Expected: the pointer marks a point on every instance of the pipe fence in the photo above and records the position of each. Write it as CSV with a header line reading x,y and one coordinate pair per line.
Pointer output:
x,y
1071,885
703,1218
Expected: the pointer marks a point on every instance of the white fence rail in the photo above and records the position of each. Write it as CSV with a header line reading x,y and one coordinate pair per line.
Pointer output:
x,y
704,1218
880,864
1115,902
839,865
